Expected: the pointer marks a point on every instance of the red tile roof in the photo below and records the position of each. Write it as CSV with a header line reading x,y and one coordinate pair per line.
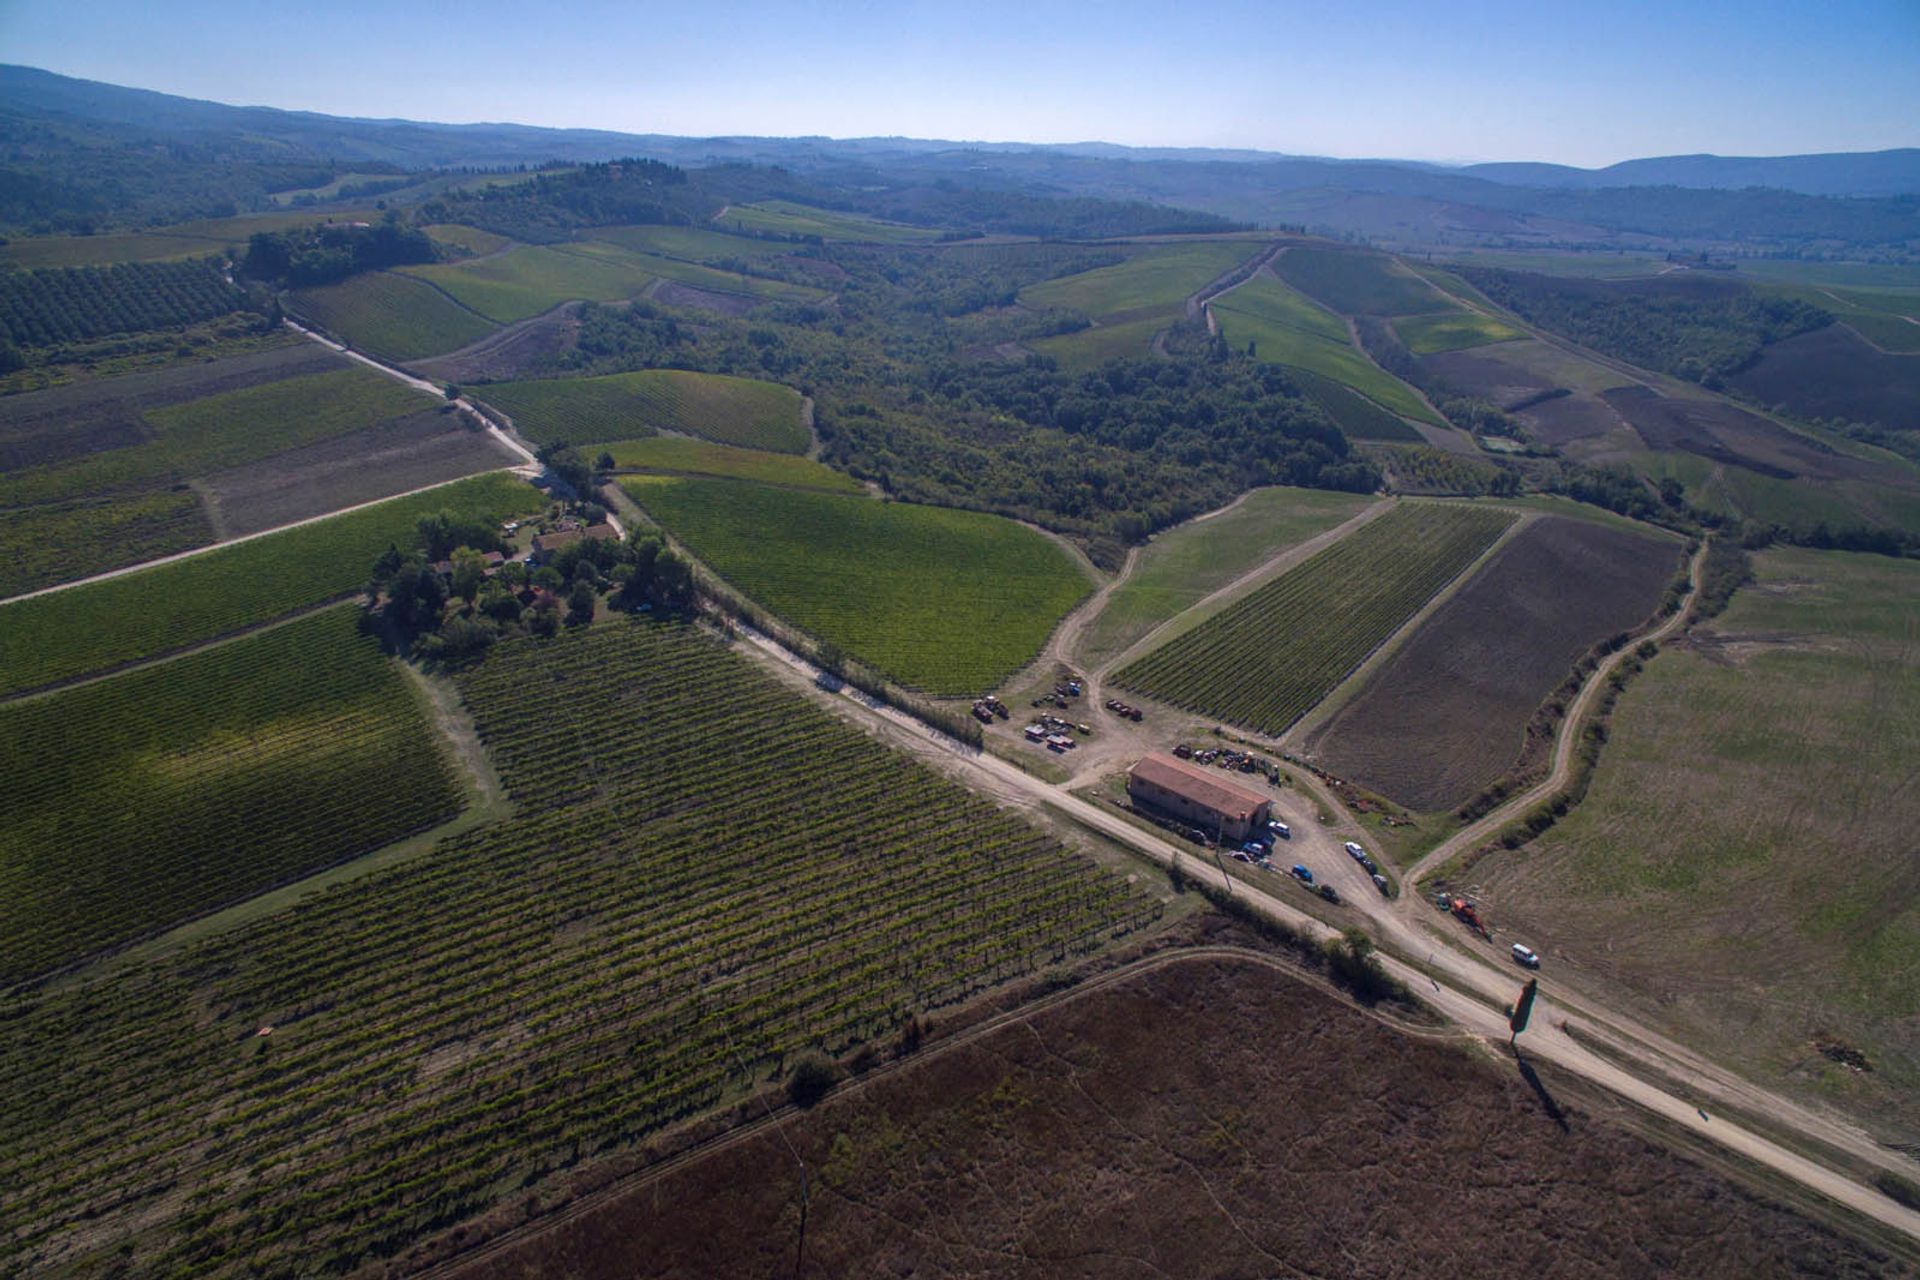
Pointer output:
x,y
1197,783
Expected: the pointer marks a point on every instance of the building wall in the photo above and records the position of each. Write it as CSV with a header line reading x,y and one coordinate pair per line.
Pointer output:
x,y
1231,827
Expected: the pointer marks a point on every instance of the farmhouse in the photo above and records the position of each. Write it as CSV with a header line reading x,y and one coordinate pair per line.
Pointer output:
x,y
1197,795
547,543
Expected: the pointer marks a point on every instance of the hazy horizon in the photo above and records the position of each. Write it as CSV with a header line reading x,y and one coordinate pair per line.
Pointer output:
x,y
1496,82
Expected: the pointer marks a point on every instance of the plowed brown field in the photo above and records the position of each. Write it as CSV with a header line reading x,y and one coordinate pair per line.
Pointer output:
x,y
1212,1117
1448,713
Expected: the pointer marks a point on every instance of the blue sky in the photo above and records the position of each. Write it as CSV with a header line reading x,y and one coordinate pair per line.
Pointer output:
x,y
1469,80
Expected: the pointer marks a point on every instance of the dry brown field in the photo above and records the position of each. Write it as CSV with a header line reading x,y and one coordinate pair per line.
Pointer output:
x,y
1208,1117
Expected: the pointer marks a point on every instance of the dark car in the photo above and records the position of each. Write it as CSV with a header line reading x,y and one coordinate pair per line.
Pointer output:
x,y
1328,892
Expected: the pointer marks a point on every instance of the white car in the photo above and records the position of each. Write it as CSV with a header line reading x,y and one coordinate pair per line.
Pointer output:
x,y
1280,829
1526,956
1355,852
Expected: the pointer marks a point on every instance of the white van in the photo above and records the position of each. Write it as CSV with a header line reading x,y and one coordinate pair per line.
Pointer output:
x,y
1526,956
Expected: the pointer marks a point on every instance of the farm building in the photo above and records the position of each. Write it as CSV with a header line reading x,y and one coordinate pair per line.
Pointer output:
x,y
1197,795
547,543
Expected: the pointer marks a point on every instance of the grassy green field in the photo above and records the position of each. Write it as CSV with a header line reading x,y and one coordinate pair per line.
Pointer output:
x,y
629,406
951,602
692,244
1843,275
1743,860
1599,266
390,315
146,799
224,430
783,217
1287,329
1270,656
1358,284
531,279
1885,318
1090,348
1157,279
472,239
329,190
714,879
1188,562
680,456
102,624
694,274
1452,331
40,546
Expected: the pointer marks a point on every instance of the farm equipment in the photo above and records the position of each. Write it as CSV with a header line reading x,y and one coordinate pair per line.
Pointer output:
x,y
983,713
1466,913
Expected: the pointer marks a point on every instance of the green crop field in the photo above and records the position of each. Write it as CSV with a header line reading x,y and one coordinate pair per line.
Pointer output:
x,y
950,602
1268,658
783,217
1357,416
1888,319
693,244
692,273
224,430
1194,559
54,305
392,316
527,281
1599,266
1090,348
630,406
1358,284
146,799
1156,279
87,628
1452,331
632,948
680,456
160,244
1743,860
1287,329
40,546
472,239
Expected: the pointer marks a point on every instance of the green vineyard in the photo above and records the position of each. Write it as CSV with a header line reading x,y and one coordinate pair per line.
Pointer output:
x,y
705,877
1268,658
948,602
629,406
70,304
102,624
144,800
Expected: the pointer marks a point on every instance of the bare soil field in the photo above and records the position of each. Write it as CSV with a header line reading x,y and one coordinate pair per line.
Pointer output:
x,y
1723,433
397,456
1448,713
1564,419
1488,377
1833,371
39,427
512,352
1290,1134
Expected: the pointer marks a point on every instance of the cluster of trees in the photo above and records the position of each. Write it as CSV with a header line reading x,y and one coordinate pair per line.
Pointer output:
x,y
1697,329
445,602
331,251
1480,417
72,304
547,207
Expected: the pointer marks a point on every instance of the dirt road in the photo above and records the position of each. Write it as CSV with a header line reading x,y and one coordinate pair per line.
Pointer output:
x,y
1465,985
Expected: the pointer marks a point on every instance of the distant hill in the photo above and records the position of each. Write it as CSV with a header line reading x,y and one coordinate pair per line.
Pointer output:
x,y
81,155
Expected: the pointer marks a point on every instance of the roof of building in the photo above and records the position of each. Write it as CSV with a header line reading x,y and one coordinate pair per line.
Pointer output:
x,y
1197,784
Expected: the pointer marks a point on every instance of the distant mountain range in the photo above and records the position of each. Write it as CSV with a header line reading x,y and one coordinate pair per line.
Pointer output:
x,y
82,149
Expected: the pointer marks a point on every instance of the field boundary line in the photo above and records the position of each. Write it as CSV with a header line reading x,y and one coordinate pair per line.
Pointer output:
x,y
480,315
1344,693
177,556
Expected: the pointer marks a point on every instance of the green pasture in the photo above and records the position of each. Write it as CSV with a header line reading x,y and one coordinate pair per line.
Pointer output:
x,y
392,316
629,406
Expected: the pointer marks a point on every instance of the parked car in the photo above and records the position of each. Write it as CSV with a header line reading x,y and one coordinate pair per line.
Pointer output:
x,y
1240,855
1526,956
1280,829
1301,874
1355,852
1328,892
1380,883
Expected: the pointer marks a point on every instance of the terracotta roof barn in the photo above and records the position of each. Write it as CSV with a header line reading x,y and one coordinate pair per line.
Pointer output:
x,y
1197,795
